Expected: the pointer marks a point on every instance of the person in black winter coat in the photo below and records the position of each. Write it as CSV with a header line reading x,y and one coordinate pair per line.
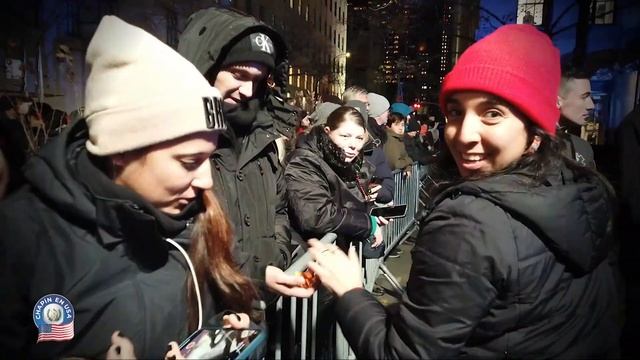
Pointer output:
x,y
576,107
86,246
327,185
378,115
238,54
512,260
382,183
382,175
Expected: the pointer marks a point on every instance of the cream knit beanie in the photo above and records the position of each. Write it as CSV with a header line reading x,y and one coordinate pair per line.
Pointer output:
x,y
141,92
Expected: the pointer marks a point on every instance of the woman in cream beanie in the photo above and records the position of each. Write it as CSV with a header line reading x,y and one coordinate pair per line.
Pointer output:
x,y
91,230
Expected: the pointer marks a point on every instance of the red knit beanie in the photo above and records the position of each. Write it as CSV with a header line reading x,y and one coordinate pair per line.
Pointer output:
x,y
517,63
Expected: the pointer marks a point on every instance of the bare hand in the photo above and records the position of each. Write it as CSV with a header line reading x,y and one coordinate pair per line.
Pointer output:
x,y
236,321
337,271
174,352
121,347
382,221
373,192
285,284
377,238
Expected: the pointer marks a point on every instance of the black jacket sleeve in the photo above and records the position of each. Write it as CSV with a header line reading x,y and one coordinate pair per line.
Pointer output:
x,y
312,206
16,269
451,287
283,227
384,175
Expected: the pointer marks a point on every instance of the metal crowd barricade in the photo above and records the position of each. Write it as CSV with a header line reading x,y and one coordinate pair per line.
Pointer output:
x,y
295,335
296,319
407,189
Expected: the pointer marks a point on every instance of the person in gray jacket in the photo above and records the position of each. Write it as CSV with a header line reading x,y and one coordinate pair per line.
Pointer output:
x,y
513,259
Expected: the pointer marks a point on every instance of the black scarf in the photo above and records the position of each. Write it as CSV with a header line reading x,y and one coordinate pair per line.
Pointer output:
x,y
241,118
334,156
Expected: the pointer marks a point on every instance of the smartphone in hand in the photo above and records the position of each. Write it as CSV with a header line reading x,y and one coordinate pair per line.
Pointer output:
x,y
222,343
390,212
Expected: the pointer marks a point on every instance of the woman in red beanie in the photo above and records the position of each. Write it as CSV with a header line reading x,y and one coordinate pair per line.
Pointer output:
x,y
512,257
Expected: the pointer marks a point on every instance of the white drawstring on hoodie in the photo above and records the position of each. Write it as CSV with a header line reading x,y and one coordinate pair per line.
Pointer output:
x,y
195,278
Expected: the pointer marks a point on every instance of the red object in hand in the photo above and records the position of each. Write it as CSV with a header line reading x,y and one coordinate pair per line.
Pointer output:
x,y
310,279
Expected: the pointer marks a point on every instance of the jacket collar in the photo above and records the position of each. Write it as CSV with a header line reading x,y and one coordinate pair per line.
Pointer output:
x,y
570,214
248,146
65,176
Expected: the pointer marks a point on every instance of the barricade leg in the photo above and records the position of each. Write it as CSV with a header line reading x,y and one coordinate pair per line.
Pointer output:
x,y
303,330
371,270
314,323
278,331
392,280
343,351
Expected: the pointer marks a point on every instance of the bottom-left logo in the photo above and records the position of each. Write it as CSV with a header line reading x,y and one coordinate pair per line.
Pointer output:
x,y
53,315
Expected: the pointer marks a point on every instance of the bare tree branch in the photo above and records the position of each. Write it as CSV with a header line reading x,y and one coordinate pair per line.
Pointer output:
x,y
563,29
562,14
491,14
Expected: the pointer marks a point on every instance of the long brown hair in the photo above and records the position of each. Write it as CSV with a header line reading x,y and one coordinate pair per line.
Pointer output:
x,y
210,252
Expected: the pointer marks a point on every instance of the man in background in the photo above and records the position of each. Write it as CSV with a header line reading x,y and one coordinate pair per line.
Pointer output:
x,y
355,92
576,108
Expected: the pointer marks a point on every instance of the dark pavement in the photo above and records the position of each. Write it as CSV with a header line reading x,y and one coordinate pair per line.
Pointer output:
x,y
400,268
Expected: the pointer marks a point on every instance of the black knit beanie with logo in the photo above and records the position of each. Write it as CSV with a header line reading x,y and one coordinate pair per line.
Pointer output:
x,y
254,47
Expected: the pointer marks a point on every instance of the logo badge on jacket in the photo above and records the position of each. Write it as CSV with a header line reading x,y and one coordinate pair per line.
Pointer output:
x,y
53,315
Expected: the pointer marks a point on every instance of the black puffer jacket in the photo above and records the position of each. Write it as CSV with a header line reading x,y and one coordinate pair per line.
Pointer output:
x,y
246,172
382,175
71,231
500,269
320,201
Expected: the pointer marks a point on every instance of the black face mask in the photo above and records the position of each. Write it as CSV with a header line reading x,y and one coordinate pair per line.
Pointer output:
x,y
241,118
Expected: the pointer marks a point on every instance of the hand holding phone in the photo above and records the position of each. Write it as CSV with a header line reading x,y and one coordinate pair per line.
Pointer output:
x,y
390,212
373,191
222,343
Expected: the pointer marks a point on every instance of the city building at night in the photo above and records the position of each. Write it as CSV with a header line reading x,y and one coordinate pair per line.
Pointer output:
x,y
316,34
600,36
44,42
400,47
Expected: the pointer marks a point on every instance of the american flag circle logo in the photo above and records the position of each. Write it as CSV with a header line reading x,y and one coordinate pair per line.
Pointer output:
x,y
53,315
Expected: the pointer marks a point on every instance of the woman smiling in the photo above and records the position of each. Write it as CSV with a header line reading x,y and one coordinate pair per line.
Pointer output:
x,y
512,259
327,182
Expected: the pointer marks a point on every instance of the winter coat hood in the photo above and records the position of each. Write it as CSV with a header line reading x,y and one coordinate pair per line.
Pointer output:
x,y
49,172
206,41
73,231
571,216
67,179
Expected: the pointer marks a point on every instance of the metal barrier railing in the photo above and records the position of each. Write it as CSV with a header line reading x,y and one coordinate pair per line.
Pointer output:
x,y
407,188
295,335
